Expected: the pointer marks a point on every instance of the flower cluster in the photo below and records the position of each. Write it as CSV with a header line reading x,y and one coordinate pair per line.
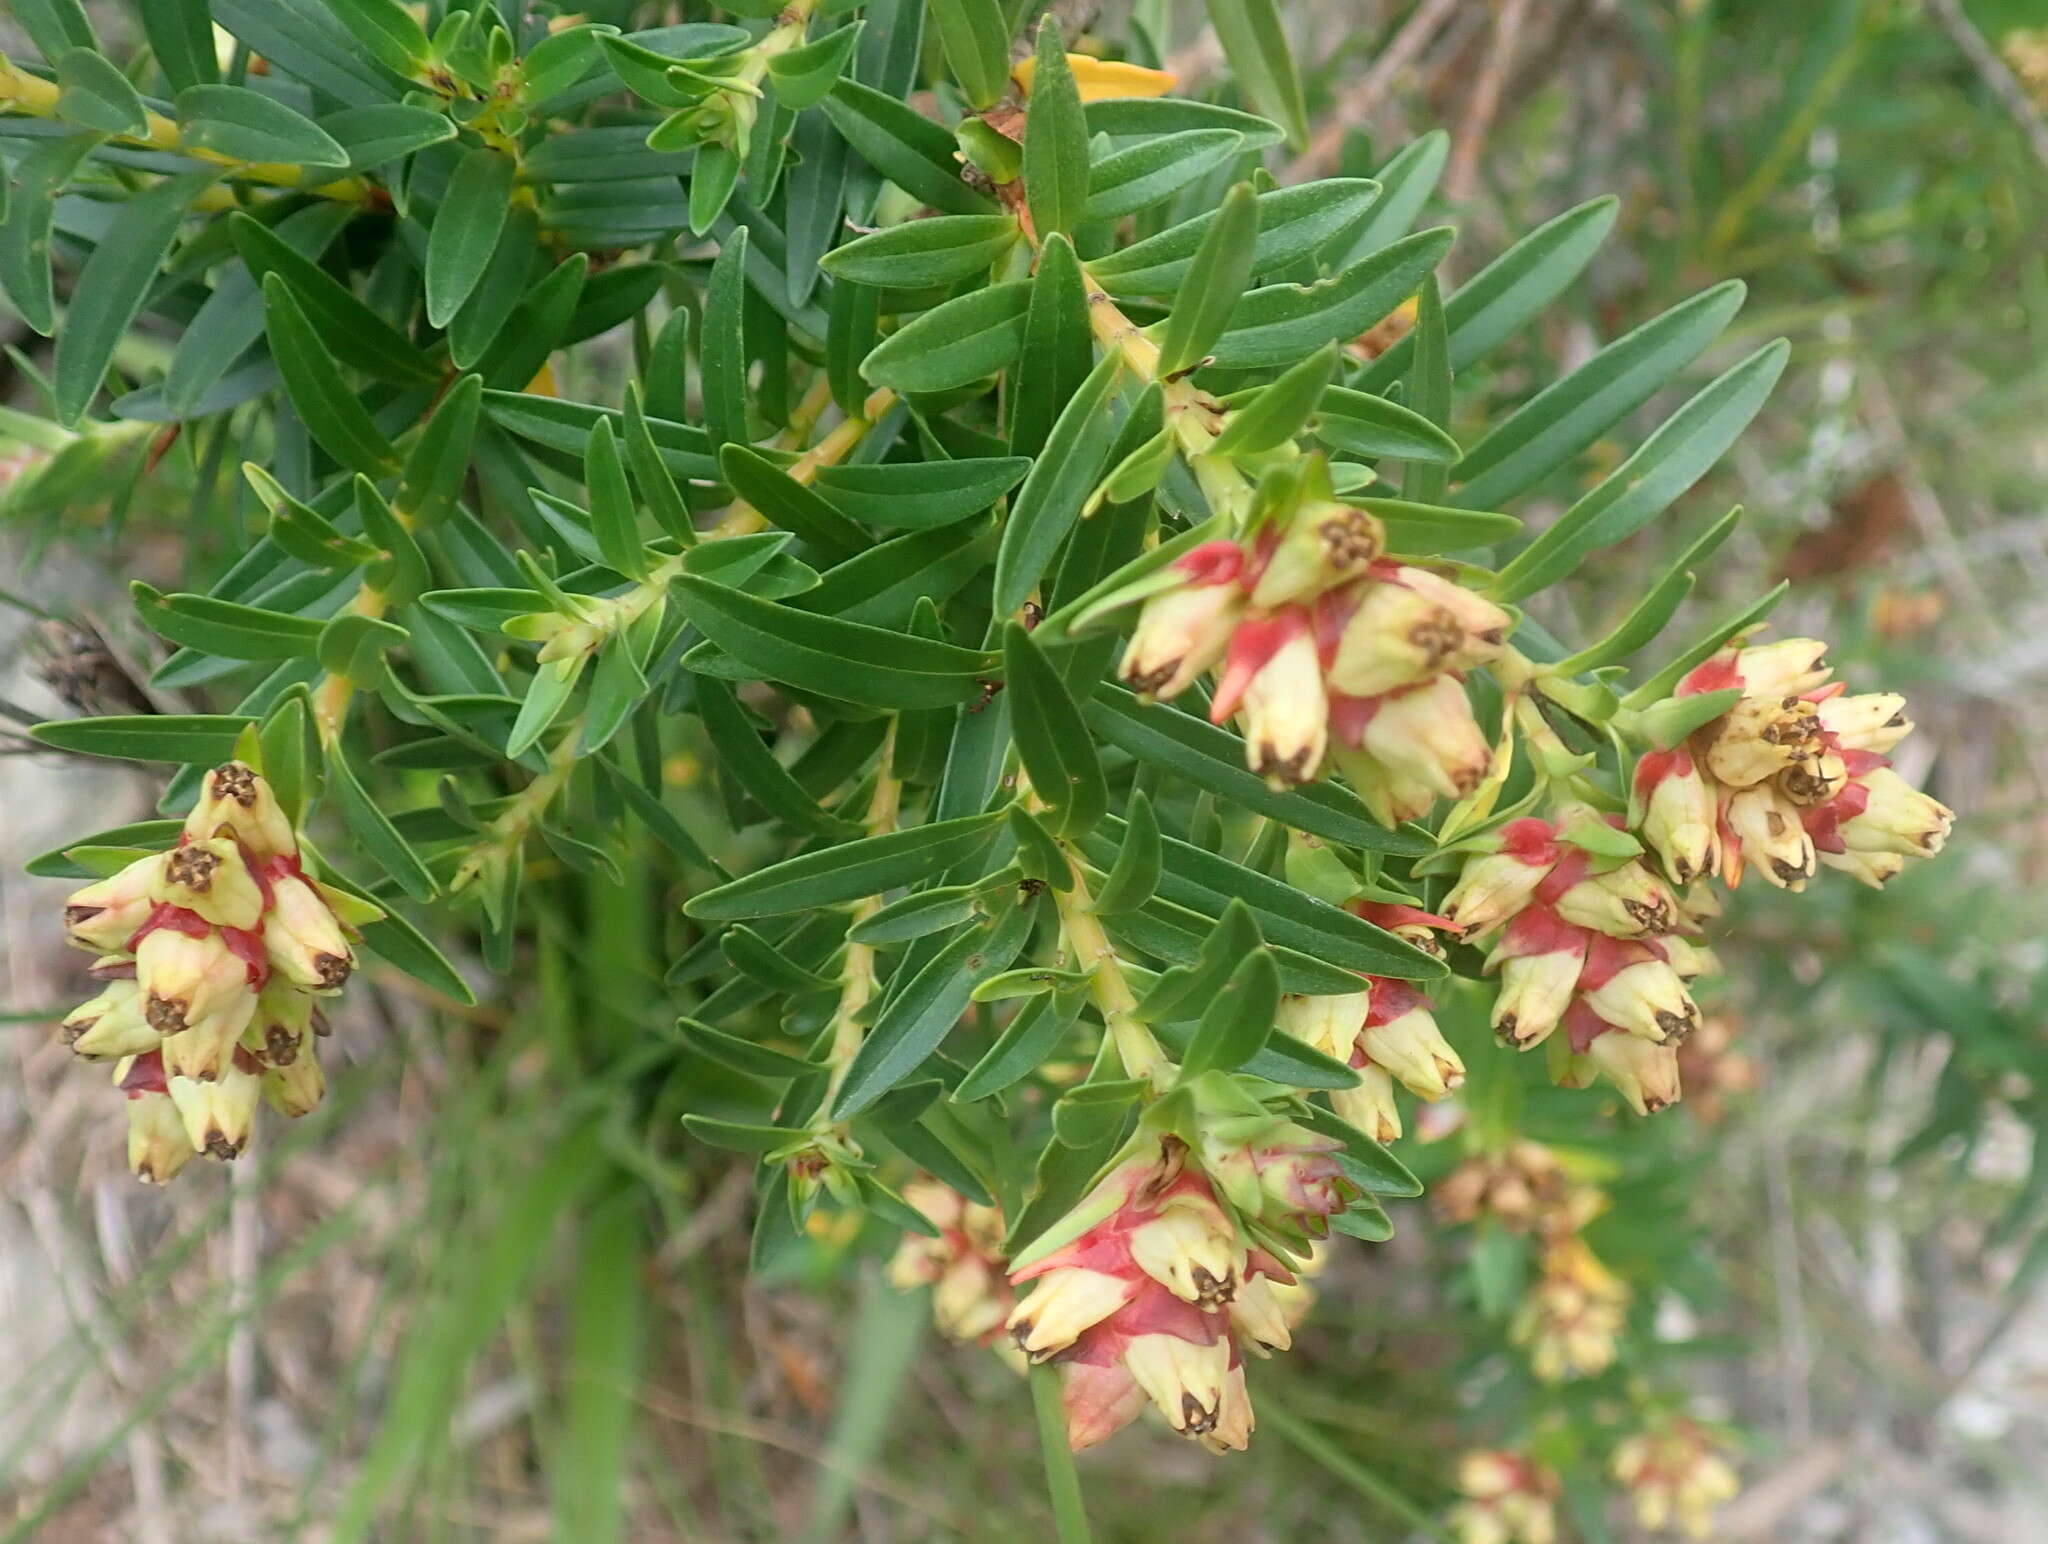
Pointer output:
x,y
1794,773
963,1265
1509,1499
211,957
1572,1315
1329,652
1676,1476
1158,1290
1522,1186
1588,945
1386,1031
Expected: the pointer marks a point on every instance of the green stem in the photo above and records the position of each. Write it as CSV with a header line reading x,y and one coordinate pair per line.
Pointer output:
x,y
1348,1469
1062,1479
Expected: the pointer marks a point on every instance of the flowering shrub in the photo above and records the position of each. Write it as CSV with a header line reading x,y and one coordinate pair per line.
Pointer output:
x,y
1063,543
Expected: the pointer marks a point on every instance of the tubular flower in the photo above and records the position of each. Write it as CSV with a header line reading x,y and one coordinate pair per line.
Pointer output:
x,y
1522,1186
963,1266
1509,1499
1676,1477
215,948
1797,772
1572,1316
1327,651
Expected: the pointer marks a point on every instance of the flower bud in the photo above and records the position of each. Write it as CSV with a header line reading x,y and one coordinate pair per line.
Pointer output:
x,y
1401,1035
219,1113
1396,637
235,797
1286,714
1099,1401
1428,735
157,1144
1679,816
196,993
1486,625
1185,1379
1370,1106
1646,998
296,1087
105,915
1646,1073
1625,902
1874,869
212,880
1392,798
111,1025
1492,887
1539,958
1258,1317
1760,737
1190,1247
1773,838
1324,545
1063,1304
1873,721
1180,634
1897,818
1813,779
1782,669
1328,1024
303,939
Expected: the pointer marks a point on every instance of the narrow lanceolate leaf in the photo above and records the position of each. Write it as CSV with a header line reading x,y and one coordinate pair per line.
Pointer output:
x,y
112,287
1055,140
849,661
1215,284
183,737
925,253
356,335
1153,170
1282,322
1058,349
964,340
1050,500
373,830
465,230
248,126
225,627
1407,179
1256,46
1563,419
1134,878
1642,487
1429,389
438,461
94,95
1237,1019
1057,750
332,413
803,76
976,38
32,186
1293,222
903,145
1648,616
180,34
1507,292
1366,425
387,30
852,871
1278,412
612,514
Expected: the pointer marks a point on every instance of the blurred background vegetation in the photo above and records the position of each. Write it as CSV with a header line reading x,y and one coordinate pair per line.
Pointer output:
x,y
470,1299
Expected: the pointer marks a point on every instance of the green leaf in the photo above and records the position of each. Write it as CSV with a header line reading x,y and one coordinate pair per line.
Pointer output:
x,y
356,335
1058,485
1058,349
248,126
851,871
903,145
1237,1019
1027,1044
963,340
918,495
1293,222
1256,47
613,518
383,131
482,318
920,1014
332,413
1276,414
1153,170
94,95
746,1056
33,183
1134,877
225,627
145,835
53,25
1213,759
183,737
1055,140
1557,423
1145,117
1281,323
1501,298
976,38
300,38
748,765
789,503
923,912
803,76
1670,461
353,647
1665,681
925,254
465,230
1429,388
373,830
848,661
438,461
1423,528
1407,179
1057,750
1367,425
111,288
739,1136
397,942
1648,616
566,426
387,30
1215,285
725,345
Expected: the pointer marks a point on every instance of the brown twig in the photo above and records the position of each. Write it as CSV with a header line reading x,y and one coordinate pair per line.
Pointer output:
x,y
1357,104
1484,101
2003,83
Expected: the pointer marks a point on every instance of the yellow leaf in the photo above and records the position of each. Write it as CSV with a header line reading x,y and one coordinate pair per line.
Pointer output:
x,y
1101,79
